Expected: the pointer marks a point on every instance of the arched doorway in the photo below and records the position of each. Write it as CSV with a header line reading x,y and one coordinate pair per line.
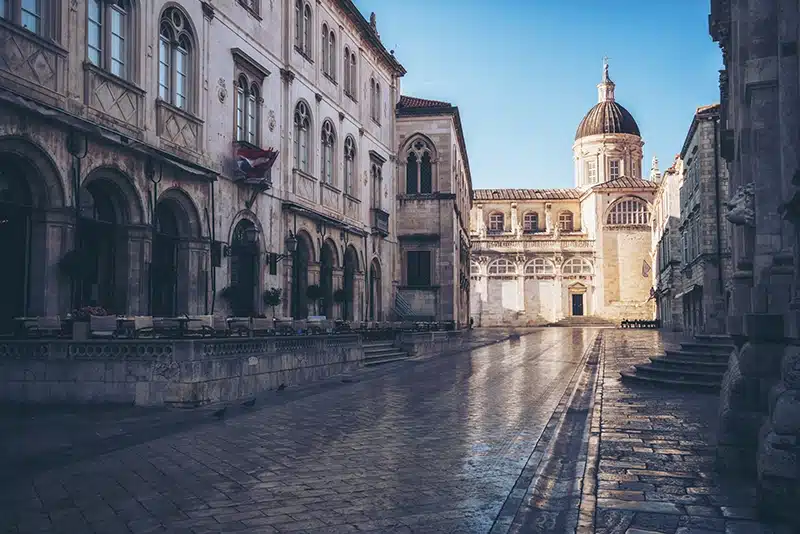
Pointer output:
x,y
327,261
98,234
244,268
15,222
300,262
350,268
375,291
164,265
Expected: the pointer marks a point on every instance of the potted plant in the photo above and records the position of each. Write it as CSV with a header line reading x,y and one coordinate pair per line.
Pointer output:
x,y
271,298
80,320
314,294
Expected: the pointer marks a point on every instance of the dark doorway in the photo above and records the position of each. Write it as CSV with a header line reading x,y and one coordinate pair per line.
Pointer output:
x,y
350,268
244,268
375,291
98,233
326,263
302,257
164,266
577,304
15,219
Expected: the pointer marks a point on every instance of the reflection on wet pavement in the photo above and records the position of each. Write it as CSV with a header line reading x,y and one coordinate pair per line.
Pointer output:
x,y
430,446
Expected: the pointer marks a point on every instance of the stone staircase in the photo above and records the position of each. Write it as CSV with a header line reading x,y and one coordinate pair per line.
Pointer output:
x,y
698,364
378,352
583,320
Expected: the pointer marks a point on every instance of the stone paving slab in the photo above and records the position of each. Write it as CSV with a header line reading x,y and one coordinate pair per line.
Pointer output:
x,y
656,455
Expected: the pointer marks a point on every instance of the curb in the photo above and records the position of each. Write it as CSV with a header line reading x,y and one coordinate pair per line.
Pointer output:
x,y
587,509
473,347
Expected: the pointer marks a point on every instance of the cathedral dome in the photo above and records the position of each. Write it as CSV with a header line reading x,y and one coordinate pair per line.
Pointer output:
x,y
607,118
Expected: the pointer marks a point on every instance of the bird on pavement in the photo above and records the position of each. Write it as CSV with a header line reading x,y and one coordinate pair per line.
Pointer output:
x,y
220,414
281,387
250,403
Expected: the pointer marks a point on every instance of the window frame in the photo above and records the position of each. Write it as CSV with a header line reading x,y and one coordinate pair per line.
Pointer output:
x,y
530,228
497,222
327,171
179,37
629,211
419,149
586,268
376,183
253,6
301,128
566,221
46,16
304,18
247,99
349,155
508,266
612,163
540,266
415,272
591,172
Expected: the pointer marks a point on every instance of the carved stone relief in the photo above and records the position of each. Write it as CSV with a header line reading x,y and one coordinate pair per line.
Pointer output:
x,y
741,207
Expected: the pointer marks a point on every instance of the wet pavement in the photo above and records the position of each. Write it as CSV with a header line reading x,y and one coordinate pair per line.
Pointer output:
x,y
436,445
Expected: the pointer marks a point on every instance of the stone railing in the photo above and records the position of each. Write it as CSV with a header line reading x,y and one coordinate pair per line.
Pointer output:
x,y
115,99
188,372
532,244
430,343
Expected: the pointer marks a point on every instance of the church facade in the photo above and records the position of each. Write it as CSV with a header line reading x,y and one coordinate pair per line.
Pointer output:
x,y
542,255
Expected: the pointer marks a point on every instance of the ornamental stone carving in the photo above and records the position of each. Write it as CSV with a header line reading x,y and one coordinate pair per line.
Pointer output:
x,y
741,207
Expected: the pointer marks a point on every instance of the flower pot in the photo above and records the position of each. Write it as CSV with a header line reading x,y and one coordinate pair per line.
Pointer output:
x,y
80,331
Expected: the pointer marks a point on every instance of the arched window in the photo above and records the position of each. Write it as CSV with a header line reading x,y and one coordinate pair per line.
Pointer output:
x,y
326,51
349,166
109,35
332,55
566,221
346,66
248,104
302,27
501,266
328,146
530,222
353,77
175,59
576,266
497,223
419,170
474,268
540,266
629,211
302,127
375,102
376,175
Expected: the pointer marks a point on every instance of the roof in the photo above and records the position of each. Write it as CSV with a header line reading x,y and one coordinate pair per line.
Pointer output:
x,y
417,103
709,112
607,118
410,106
371,35
623,182
527,194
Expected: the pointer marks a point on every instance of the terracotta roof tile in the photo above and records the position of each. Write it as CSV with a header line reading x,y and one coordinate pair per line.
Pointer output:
x,y
526,194
623,182
414,102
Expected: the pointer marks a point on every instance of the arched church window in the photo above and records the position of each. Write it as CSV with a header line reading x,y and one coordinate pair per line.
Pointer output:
x,y
566,221
419,168
530,222
540,266
576,266
497,223
629,211
501,266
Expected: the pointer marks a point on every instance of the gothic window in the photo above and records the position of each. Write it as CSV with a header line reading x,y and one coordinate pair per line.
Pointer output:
x,y
302,28
375,100
419,169
501,267
248,106
629,211
328,146
175,58
376,176
109,33
326,51
576,266
302,127
566,221
591,172
349,166
332,55
497,223
350,73
418,268
613,169
540,266
530,222
474,268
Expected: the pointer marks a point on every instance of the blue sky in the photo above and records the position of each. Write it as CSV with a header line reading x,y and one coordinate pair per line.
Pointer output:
x,y
523,74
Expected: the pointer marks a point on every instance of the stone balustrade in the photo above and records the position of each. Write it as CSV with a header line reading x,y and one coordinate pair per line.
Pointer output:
x,y
534,245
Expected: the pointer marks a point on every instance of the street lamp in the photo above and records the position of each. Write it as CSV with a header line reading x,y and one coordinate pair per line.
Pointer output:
x,y
251,235
291,248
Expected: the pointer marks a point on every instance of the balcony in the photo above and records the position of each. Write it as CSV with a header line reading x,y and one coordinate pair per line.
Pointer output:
x,y
380,222
113,100
31,64
181,130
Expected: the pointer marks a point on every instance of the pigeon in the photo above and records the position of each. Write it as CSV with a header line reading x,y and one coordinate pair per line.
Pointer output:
x,y
250,403
220,414
281,387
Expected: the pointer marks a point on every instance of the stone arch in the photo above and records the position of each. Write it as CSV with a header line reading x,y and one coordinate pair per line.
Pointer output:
x,y
120,191
194,75
632,201
188,216
328,262
375,312
338,256
250,216
419,136
352,266
577,265
304,239
45,181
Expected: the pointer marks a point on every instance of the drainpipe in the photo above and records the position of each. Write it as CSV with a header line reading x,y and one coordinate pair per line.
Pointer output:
x,y
721,291
213,240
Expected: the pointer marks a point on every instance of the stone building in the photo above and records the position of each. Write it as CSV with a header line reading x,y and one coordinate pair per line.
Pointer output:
x,y
433,205
121,142
706,265
542,255
666,251
760,127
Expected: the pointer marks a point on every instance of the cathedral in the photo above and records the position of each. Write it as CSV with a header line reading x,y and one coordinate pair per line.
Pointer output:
x,y
540,256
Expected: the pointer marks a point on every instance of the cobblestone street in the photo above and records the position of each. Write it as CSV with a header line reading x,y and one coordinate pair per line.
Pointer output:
x,y
524,435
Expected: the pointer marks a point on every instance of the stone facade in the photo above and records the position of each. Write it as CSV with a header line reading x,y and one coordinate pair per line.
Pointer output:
x,y
118,164
667,252
760,126
542,255
433,205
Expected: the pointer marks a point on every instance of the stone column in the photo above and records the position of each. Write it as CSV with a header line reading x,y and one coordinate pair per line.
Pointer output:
x,y
132,281
515,229
480,223
548,218
52,236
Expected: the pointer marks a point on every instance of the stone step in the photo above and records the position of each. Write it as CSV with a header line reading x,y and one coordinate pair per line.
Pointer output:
x,y
687,363
716,348
648,369
378,344
707,356
395,356
380,351
695,385
719,339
